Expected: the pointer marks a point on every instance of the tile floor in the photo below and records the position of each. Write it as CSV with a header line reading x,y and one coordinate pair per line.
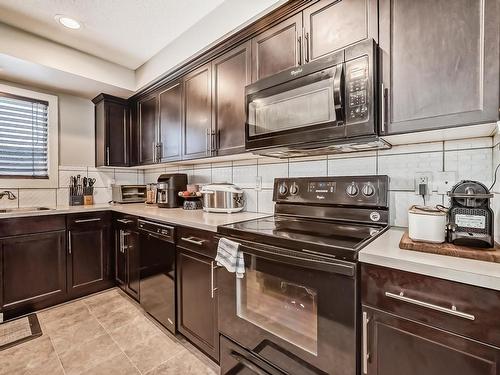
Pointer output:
x,y
106,333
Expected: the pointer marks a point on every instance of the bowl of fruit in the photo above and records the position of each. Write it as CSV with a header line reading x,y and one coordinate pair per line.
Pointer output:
x,y
192,200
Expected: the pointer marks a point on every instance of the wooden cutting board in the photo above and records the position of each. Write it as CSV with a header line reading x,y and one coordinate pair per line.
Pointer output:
x,y
489,255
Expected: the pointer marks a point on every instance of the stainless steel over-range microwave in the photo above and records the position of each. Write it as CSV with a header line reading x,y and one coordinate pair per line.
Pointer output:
x,y
325,106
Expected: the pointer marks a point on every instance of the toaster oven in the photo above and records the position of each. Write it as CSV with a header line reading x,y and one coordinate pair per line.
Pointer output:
x,y
128,193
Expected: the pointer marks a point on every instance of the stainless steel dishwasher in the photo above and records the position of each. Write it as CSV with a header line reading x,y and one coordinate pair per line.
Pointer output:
x,y
157,271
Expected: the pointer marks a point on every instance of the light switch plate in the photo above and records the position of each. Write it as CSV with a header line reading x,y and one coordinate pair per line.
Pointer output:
x,y
445,181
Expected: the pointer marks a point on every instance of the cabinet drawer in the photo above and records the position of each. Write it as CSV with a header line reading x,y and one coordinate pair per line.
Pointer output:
x,y
29,225
199,241
88,220
466,310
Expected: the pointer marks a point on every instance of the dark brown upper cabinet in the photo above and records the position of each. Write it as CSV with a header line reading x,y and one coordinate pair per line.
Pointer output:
x,y
147,121
333,25
112,131
170,122
230,74
197,137
440,65
89,264
278,48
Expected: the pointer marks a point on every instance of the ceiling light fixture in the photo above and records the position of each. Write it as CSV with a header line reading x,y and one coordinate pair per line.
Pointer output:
x,y
68,22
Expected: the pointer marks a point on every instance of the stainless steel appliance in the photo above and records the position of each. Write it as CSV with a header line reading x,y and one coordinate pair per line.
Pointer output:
x,y
222,197
470,216
167,190
128,193
296,310
326,106
157,271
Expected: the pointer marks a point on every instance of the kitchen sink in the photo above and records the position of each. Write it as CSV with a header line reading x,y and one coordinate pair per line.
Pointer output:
x,y
24,209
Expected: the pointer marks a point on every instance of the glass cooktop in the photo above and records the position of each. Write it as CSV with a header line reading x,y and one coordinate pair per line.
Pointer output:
x,y
332,238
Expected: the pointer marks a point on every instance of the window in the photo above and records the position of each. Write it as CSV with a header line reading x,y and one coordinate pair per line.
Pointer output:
x,y
29,144
23,137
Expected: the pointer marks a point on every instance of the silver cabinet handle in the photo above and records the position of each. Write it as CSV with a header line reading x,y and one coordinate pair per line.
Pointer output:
x,y
154,152
125,221
107,155
306,42
193,241
69,242
299,47
213,266
366,355
207,133
452,311
383,99
87,220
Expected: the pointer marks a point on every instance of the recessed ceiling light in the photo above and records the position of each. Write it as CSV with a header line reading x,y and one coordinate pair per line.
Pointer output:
x,y
68,22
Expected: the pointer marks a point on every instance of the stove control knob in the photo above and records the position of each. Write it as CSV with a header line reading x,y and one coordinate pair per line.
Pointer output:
x,y
283,189
294,189
368,190
352,189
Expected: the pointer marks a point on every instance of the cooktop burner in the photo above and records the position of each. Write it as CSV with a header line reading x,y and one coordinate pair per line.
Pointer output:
x,y
330,238
328,216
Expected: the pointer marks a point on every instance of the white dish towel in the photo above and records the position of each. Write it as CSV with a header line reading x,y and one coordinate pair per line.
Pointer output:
x,y
230,257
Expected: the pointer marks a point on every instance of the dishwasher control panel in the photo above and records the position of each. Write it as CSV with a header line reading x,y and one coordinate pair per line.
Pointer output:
x,y
166,232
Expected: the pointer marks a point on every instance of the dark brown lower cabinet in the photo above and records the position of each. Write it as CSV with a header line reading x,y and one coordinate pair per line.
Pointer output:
x,y
33,272
89,256
197,301
400,346
127,261
419,325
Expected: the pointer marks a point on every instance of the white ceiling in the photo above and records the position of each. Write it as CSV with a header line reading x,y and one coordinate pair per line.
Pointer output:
x,y
126,32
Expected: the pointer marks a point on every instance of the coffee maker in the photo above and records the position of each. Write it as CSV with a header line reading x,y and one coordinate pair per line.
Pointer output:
x,y
167,190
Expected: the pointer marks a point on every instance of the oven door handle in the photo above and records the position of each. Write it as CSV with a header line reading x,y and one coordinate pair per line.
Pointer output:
x,y
248,364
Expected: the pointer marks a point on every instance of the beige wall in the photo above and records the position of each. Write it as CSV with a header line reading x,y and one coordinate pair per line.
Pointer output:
x,y
76,131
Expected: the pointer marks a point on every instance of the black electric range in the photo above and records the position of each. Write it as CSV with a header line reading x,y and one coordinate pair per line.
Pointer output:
x,y
296,308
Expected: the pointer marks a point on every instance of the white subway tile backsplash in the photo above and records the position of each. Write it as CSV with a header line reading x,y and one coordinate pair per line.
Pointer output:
x,y
401,201
465,144
245,176
103,177
269,172
352,166
102,195
402,168
224,174
495,206
307,168
62,197
265,201
37,197
126,178
413,148
201,176
251,200
471,164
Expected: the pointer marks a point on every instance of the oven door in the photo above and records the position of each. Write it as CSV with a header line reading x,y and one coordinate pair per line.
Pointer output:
x,y
295,312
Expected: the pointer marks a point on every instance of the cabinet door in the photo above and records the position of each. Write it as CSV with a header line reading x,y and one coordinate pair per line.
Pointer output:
x,y
88,258
101,130
198,107
330,25
147,112
439,62
396,346
33,271
231,73
170,122
277,49
118,134
196,301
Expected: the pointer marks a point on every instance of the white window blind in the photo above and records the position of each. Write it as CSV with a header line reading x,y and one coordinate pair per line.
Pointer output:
x,y
23,137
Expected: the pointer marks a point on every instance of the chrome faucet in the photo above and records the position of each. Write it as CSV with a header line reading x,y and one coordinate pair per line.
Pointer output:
x,y
10,195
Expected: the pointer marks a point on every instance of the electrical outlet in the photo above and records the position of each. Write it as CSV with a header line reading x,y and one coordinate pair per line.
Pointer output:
x,y
445,181
423,183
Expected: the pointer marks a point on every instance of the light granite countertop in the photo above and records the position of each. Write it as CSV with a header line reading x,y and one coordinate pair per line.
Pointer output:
x,y
385,251
192,218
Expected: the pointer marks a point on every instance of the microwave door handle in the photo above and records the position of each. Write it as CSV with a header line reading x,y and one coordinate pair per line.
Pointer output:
x,y
338,93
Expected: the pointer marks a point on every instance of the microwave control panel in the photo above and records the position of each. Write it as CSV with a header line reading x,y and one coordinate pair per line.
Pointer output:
x,y
357,78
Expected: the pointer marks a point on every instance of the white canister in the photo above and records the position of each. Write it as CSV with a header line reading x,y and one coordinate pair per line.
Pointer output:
x,y
426,224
